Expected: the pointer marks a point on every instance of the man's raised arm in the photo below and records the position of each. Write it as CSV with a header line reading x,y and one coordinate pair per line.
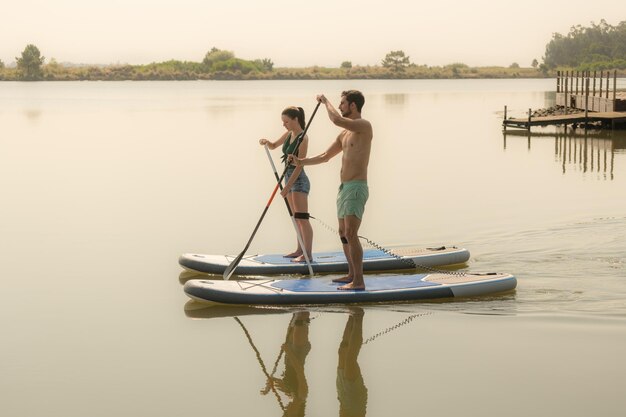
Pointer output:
x,y
353,125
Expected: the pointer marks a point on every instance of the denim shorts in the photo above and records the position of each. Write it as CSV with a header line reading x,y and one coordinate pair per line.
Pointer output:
x,y
302,183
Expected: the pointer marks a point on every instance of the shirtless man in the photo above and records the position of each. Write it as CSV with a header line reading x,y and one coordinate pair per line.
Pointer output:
x,y
355,141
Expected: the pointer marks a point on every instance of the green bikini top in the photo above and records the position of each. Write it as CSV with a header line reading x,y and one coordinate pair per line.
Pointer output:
x,y
289,147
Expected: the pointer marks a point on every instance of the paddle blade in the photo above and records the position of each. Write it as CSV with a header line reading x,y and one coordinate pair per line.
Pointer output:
x,y
231,268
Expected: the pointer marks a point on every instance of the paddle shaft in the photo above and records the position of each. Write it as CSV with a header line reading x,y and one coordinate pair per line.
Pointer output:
x,y
293,220
258,358
231,268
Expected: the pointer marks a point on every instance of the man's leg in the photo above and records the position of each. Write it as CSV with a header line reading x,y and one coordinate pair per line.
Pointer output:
x,y
346,252
355,250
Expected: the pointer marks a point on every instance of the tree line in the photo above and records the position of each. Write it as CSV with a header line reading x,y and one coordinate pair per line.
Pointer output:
x,y
220,64
598,47
215,64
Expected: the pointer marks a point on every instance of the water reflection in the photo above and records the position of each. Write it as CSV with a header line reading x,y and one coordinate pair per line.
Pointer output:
x,y
32,114
351,390
395,99
292,382
579,151
287,380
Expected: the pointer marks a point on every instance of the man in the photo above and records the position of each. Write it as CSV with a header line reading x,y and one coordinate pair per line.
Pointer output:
x,y
355,141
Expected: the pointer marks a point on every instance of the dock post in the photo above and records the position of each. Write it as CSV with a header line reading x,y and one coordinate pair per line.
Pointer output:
x,y
576,82
504,123
594,82
614,87
608,76
601,79
586,102
530,112
566,92
558,81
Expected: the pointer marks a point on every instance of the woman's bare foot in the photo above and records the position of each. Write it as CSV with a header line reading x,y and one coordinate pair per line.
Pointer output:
x,y
293,254
343,280
352,287
301,258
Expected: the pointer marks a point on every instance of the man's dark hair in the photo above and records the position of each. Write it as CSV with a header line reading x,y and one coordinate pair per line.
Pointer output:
x,y
354,96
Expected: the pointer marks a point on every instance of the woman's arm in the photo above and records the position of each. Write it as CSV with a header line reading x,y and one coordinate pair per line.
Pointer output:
x,y
302,150
277,143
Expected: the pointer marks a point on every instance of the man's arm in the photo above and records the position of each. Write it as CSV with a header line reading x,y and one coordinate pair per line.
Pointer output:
x,y
358,125
326,156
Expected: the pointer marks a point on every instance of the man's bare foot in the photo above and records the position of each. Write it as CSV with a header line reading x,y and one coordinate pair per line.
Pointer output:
x,y
352,287
343,280
293,254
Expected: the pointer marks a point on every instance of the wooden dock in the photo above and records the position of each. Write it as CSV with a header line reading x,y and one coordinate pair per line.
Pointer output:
x,y
606,118
585,151
584,98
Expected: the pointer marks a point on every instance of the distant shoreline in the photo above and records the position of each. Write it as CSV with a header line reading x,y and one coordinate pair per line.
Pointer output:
x,y
154,72
158,73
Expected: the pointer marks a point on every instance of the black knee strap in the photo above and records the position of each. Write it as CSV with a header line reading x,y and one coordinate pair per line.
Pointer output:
x,y
344,240
301,215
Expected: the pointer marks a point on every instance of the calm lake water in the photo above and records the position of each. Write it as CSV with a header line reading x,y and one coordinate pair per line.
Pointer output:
x,y
105,184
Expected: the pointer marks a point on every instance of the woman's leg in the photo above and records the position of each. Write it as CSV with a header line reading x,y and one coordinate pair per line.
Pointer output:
x,y
292,206
301,205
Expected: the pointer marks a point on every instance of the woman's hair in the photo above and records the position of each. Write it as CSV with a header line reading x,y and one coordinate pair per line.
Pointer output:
x,y
295,113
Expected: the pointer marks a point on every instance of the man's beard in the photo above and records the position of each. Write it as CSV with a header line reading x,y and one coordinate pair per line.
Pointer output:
x,y
346,113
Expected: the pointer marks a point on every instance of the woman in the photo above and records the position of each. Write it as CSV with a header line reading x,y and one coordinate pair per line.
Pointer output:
x,y
297,184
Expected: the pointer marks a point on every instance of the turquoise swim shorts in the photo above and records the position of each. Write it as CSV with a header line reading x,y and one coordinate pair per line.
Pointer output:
x,y
351,199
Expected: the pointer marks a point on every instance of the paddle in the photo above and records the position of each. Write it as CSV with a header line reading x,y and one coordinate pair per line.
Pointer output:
x,y
293,220
231,268
263,368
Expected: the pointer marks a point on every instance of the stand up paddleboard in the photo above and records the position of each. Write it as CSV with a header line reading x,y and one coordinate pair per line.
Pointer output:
x,y
326,262
384,288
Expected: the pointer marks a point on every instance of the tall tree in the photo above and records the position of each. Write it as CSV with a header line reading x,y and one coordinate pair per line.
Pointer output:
x,y
267,64
216,55
29,64
396,60
598,43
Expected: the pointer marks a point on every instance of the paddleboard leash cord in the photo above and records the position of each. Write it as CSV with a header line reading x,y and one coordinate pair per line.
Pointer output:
x,y
394,327
407,261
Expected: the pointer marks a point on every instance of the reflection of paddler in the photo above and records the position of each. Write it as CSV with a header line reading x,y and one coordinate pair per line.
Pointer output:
x,y
351,390
296,347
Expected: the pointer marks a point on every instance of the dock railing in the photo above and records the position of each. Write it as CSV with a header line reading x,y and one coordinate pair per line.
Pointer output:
x,y
572,91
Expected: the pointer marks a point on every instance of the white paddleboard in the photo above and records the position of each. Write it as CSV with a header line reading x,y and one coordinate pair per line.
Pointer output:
x,y
382,288
326,262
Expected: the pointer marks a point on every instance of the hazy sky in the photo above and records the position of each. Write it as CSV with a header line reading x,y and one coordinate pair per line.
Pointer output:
x,y
294,32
